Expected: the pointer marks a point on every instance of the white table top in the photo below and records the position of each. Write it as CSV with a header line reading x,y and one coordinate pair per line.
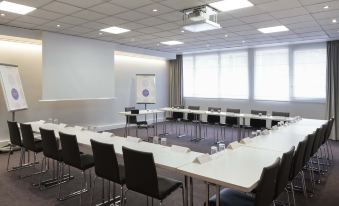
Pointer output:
x,y
239,169
164,157
142,112
286,137
229,114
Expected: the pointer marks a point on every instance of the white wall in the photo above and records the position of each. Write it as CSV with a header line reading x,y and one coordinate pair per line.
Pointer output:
x,y
81,112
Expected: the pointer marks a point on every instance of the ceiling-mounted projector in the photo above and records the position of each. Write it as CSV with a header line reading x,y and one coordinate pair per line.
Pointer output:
x,y
202,18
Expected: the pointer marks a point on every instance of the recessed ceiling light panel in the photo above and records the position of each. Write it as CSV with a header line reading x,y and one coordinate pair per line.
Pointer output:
x,y
229,5
115,30
171,43
273,29
15,8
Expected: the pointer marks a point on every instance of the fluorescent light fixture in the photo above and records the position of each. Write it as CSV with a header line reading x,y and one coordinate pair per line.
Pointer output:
x,y
171,43
273,29
229,5
334,21
115,30
204,25
15,8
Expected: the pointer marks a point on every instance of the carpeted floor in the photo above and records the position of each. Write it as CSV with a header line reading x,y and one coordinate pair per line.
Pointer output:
x,y
20,192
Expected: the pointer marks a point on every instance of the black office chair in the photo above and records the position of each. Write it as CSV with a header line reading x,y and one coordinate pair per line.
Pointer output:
x,y
71,156
308,165
326,142
297,166
175,118
141,176
107,168
231,122
29,143
265,191
51,150
258,123
283,174
134,120
15,141
278,114
192,118
214,122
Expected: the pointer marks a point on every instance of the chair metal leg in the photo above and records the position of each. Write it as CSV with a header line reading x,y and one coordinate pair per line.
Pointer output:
x,y
9,155
81,186
93,190
303,183
288,197
293,195
183,195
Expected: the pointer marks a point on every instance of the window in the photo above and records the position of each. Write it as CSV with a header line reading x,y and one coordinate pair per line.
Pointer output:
x,y
234,75
216,75
271,74
309,73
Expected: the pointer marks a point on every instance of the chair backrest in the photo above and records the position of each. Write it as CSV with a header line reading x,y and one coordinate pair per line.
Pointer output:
x,y
14,133
212,119
27,136
279,114
258,123
298,159
323,134
178,115
105,161
232,120
50,146
140,171
284,171
70,150
319,134
329,129
267,183
130,119
191,116
309,146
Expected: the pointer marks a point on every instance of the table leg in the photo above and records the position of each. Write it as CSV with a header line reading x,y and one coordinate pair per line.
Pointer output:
x,y
191,191
156,124
186,191
208,194
218,195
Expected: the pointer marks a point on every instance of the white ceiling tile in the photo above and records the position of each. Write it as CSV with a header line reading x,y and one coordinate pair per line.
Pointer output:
x,y
32,20
149,9
250,11
229,23
108,9
112,21
9,15
33,3
131,25
95,25
21,24
80,29
164,34
152,21
289,12
291,20
172,16
82,3
45,14
310,2
326,14
181,4
149,30
168,26
89,15
256,18
279,5
72,20
61,8
264,24
131,15
131,4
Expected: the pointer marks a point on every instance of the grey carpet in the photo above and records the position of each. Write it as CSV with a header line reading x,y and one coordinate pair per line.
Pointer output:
x,y
14,191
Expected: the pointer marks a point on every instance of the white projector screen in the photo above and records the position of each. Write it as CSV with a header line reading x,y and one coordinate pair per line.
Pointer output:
x,y
77,68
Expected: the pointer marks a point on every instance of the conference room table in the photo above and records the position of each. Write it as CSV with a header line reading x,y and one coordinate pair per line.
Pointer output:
x,y
241,116
238,168
146,112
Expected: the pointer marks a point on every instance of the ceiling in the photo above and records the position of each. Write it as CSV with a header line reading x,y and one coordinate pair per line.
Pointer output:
x,y
306,19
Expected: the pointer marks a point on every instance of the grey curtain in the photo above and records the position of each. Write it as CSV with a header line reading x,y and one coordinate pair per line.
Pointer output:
x,y
333,85
176,81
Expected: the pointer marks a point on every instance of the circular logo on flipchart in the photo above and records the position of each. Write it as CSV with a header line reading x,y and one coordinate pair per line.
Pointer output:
x,y
145,92
15,94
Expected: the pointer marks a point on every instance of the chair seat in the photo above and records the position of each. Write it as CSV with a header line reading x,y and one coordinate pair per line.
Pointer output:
x,y
87,161
229,197
37,147
167,186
